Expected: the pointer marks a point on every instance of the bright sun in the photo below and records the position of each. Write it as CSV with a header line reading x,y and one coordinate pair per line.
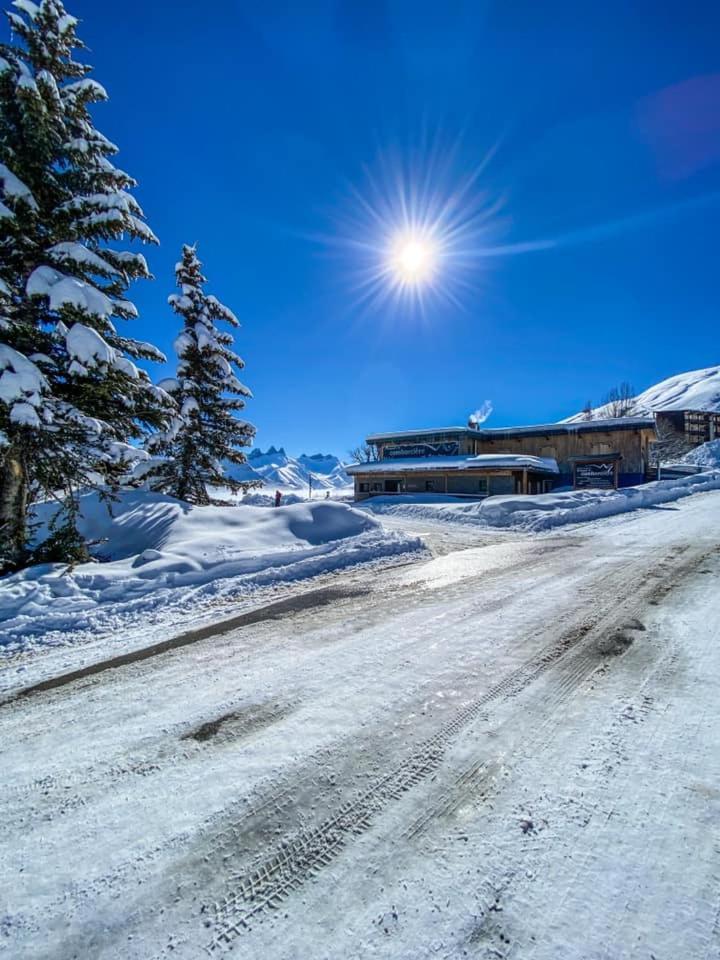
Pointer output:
x,y
417,229
413,259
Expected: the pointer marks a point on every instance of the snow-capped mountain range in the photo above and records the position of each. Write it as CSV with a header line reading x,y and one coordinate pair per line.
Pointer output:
x,y
275,468
694,390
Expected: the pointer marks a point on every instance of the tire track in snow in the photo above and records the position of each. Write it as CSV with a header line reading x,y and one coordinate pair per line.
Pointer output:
x,y
522,857
308,851
578,666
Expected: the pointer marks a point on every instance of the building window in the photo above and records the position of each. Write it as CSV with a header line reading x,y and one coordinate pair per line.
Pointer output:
x,y
550,452
376,487
364,487
598,448
483,486
429,485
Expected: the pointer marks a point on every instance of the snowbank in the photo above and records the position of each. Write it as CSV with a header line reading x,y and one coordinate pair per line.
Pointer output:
x,y
256,499
543,512
268,500
706,456
164,559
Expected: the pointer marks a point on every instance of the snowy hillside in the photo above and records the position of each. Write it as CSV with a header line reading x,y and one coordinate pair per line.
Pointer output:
x,y
279,470
694,390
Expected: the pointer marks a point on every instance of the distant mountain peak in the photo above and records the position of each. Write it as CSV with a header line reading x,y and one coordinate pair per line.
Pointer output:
x,y
276,469
317,456
257,452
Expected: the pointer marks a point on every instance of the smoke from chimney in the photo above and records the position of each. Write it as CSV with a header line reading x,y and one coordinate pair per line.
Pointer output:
x,y
481,415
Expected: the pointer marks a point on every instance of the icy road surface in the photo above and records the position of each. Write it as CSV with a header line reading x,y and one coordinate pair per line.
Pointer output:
x,y
509,751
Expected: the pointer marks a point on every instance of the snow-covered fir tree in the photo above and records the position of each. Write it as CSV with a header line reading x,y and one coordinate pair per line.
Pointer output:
x,y
71,397
205,435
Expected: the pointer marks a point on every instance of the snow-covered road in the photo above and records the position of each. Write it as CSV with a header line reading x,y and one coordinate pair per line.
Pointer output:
x,y
507,751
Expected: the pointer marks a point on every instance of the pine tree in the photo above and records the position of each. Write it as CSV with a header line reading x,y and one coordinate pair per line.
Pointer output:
x,y
205,434
71,397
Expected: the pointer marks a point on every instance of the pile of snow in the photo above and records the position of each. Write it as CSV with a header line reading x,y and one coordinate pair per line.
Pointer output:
x,y
163,559
255,499
706,456
275,468
694,390
545,511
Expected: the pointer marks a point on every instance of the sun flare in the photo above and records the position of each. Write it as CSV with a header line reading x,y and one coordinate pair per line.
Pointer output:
x,y
413,259
416,227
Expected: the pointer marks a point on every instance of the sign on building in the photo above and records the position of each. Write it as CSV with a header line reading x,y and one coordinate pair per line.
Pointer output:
x,y
599,474
449,449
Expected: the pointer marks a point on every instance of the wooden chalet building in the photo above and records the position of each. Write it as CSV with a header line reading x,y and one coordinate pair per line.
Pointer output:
x,y
466,461
688,427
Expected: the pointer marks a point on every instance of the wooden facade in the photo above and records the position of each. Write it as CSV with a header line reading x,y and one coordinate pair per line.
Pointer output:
x,y
595,453
627,445
475,484
693,427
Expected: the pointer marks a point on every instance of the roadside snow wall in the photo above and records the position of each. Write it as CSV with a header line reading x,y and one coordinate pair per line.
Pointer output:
x,y
545,511
164,560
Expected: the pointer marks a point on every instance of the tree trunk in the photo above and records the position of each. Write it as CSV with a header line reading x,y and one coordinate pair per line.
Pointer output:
x,y
13,507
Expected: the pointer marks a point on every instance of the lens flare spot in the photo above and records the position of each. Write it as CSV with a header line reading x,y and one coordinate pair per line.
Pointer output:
x,y
413,259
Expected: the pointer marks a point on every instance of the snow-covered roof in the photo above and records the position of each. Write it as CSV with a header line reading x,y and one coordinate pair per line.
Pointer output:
x,y
539,429
481,462
582,426
417,433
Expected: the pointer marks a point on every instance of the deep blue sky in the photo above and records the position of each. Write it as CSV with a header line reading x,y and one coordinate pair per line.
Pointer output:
x,y
247,123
